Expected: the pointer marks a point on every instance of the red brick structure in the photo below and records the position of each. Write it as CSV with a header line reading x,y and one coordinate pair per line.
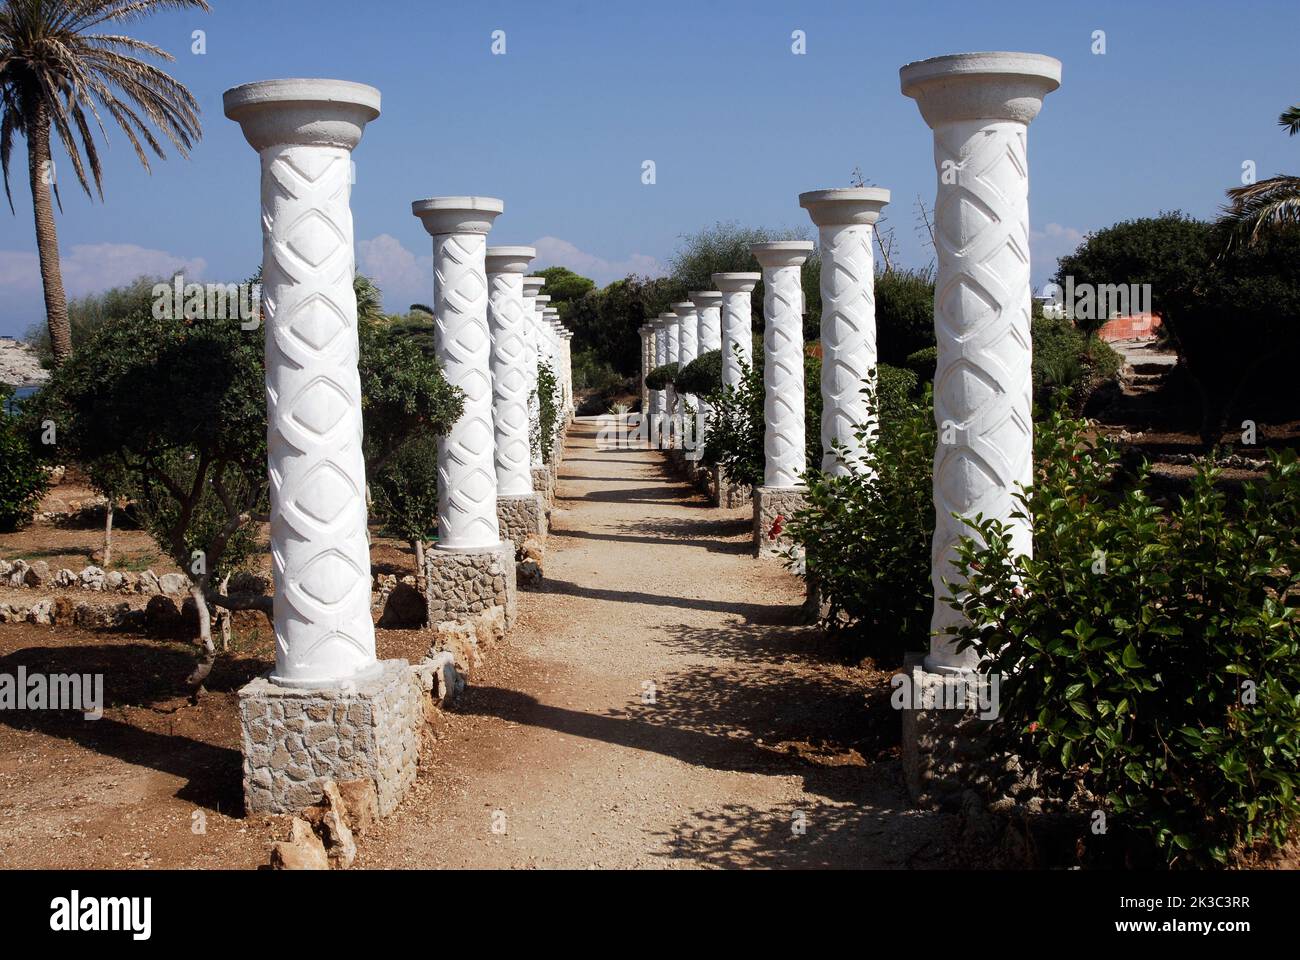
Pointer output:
x,y
1141,326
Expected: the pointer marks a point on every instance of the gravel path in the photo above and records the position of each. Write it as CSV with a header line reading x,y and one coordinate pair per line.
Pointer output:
x,y
658,705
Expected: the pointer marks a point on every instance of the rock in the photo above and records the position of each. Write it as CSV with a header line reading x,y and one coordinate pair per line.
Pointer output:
x,y
63,611
113,580
17,573
490,627
173,584
5,568
161,618
247,582
38,574
302,851
41,613
95,617
458,639
438,675
92,578
65,578
329,818
405,607
362,803
56,474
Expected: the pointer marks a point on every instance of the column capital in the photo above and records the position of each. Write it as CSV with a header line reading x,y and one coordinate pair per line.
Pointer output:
x,y
704,299
980,86
323,113
736,282
533,286
844,206
509,259
540,298
684,309
781,253
449,215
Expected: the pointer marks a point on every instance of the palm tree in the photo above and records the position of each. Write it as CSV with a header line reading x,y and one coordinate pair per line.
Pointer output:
x,y
1274,202
53,72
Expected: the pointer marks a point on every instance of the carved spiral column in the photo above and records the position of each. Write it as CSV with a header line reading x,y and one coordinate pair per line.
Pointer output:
x,y
737,325
660,397
507,322
784,442
979,106
467,480
304,131
532,287
708,308
845,219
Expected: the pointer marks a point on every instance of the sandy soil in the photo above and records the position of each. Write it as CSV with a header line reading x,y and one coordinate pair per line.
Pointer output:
x,y
760,748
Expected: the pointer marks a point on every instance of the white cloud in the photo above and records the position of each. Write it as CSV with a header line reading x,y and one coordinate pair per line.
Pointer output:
x,y
1048,244
93,267
403,277
554,252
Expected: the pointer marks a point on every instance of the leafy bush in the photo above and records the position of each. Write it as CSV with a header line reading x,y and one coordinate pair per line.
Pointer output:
x,y
404,494
1066,360
922,362
1151,653
904,314
866,536
661,378
702,377
548,406
735,435
23,482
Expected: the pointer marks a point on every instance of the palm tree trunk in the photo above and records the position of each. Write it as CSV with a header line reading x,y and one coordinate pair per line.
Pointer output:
x,y
40,171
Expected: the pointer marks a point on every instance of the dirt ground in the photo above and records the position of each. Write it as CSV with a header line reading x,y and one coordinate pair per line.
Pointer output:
x,y
657,704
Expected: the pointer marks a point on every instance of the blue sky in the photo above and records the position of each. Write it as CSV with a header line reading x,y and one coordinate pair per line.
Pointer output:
x,y
736,123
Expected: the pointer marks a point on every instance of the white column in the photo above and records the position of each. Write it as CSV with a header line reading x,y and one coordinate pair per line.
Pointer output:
x,y
708,310
784,442
844,220
688,332
979,106
672,330
532,288
305,131
467,479
646,333
507,320
737,327
660,397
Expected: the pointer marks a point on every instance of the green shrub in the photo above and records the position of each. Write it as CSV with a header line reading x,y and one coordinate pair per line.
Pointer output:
x,y
23,481
922,362
702,376
404,495
904,314
548,406
866,537
735,434
1066,360
1151,653
661,378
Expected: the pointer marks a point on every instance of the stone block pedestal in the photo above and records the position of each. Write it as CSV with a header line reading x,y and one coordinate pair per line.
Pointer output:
x,y
463,584
946,719
521,517
770,503
727,494
296,738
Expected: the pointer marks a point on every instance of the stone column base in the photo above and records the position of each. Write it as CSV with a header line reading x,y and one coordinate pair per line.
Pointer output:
x,y
296,738
463,584
770,503
945,732
542,483
521,517
725,493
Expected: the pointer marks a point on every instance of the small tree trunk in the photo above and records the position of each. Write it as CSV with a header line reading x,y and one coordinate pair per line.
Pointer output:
x,y
225,618
420,582
40,171
108,534
198,591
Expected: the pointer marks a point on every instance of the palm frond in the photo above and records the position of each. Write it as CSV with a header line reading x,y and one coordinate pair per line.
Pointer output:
x,y
1256,207
1291,119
